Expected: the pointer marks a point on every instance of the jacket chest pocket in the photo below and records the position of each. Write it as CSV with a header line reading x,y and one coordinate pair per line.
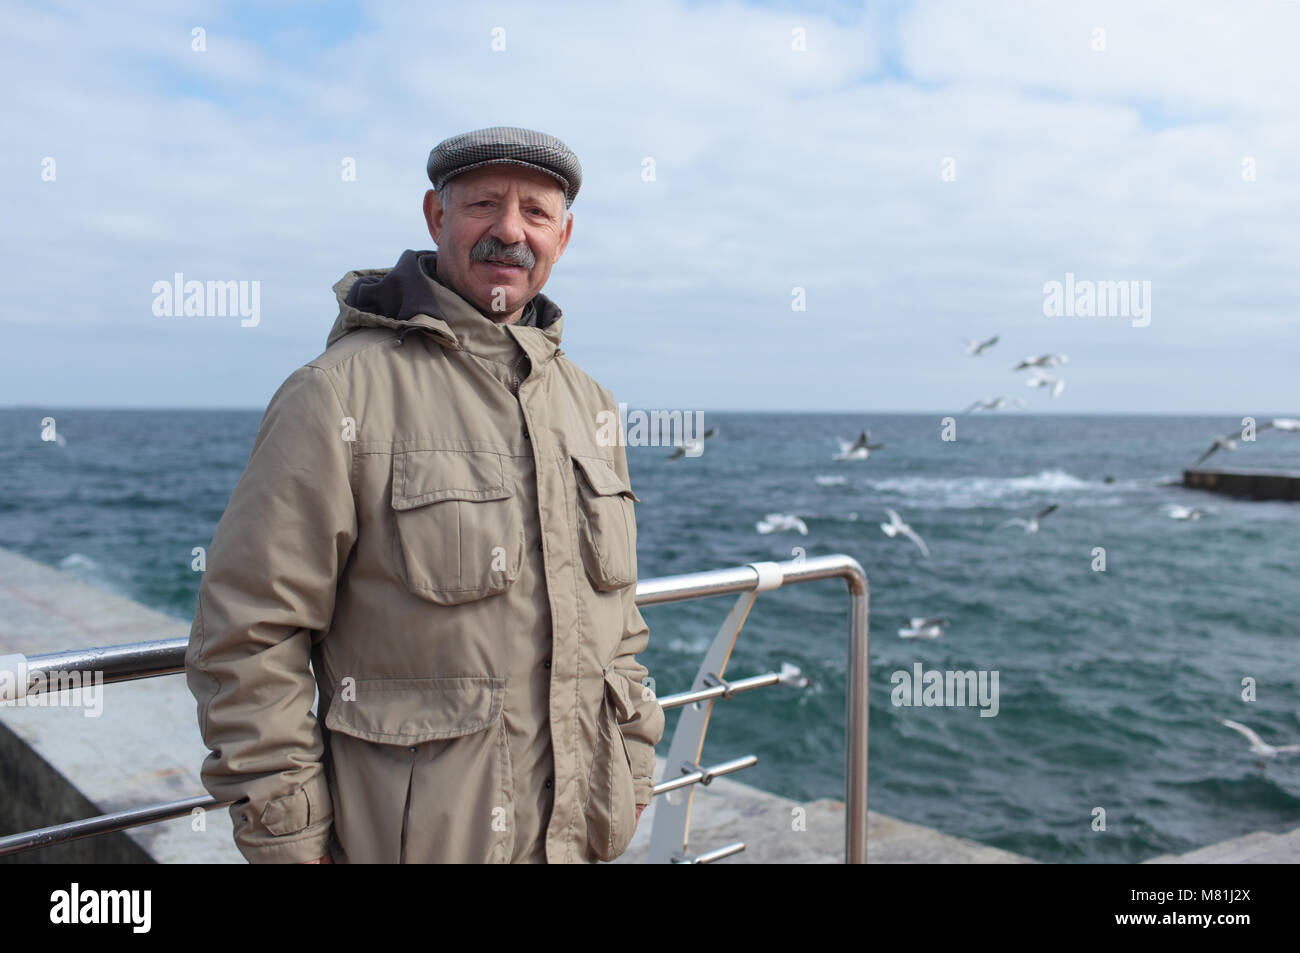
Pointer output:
x,y
606,523
460,535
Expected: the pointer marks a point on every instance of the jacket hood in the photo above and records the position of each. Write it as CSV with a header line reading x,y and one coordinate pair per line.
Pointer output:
x,y
407,297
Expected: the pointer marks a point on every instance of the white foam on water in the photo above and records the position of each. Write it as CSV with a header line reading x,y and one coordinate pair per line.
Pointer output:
x,y
981,491
693,647
825,479
78,562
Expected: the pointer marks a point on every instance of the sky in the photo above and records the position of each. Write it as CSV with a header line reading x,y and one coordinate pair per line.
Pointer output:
x,y
842,193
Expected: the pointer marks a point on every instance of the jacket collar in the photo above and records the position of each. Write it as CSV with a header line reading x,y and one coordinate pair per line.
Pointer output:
x,y
406,298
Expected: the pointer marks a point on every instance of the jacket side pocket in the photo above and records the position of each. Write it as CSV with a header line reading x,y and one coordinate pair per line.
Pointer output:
x,y
446,735
611,800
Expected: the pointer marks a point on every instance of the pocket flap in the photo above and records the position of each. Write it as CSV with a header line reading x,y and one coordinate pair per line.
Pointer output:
x,y
602,476
406,711
428,476
616,686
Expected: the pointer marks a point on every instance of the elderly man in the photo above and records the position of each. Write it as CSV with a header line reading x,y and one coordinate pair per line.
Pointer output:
x,y
430,517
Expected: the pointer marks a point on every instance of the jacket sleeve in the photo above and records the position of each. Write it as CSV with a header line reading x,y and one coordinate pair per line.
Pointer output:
x,y
272,568
645,728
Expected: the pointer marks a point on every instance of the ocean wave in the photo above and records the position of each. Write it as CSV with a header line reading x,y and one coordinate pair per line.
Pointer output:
x,y
78,562
825,479
981,490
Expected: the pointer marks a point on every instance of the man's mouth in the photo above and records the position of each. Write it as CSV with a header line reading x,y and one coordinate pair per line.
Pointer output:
x,y
499,262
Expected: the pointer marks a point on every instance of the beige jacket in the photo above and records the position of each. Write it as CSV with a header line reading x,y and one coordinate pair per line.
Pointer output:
x,y
430,517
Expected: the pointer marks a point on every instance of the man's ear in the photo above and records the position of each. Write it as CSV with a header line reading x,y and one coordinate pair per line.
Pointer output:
x,y
564,239
433,214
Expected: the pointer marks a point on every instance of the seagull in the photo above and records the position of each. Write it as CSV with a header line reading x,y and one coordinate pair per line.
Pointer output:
x,y
1043,380
1177,512
781,521
976,348
994,403
697,442
1258,745
1282,423
921,628
896,526
1031,525
1226,442
1042,360
859,449
792,675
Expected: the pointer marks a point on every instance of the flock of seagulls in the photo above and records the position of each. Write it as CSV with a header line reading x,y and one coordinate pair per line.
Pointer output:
x,y
924,628
1034,364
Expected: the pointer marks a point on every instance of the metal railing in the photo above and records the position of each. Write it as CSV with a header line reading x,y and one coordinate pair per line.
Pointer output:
x,y
669,833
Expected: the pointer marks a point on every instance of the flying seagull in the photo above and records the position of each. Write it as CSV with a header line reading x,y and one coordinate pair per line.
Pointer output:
x,y
781,521
1031,525
921,628
1042,360
995,403
1043,380
1258,745
859,449
692,444
896,526
976,348
1226,442
1282,423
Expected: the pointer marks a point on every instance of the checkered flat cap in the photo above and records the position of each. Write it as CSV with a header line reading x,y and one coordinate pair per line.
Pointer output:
x,y
507,145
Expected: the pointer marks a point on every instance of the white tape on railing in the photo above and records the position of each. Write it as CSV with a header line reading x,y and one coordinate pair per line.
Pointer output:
x,y
770,575
13,677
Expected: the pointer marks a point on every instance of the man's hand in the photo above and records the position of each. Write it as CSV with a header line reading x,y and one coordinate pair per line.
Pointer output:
x,y
639,809
326,859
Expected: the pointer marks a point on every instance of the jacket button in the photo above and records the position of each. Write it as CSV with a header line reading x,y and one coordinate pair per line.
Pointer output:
x,y
412,749
548,784
541,548
526,433
548,663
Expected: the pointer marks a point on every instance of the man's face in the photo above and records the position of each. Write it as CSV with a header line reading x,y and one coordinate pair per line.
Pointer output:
x,y
501,212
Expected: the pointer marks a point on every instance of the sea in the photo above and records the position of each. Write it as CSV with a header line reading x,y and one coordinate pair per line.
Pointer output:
x,y
1119,635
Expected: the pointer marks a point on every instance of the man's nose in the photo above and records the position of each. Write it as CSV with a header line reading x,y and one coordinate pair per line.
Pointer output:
x,y
509,226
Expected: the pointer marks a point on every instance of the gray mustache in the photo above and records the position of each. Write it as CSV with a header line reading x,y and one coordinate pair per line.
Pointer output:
x,y
488,247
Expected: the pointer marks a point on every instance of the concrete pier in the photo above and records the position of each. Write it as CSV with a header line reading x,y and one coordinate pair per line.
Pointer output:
x,y
1261,847
1252,484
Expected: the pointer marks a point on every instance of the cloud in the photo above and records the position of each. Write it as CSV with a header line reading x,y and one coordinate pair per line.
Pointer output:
x,y
775,169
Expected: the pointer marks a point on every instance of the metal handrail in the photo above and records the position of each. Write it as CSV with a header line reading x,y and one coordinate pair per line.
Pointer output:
x,y
121,663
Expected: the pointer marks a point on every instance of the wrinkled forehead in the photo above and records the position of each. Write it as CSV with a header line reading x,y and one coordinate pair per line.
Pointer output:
x,y
494,181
